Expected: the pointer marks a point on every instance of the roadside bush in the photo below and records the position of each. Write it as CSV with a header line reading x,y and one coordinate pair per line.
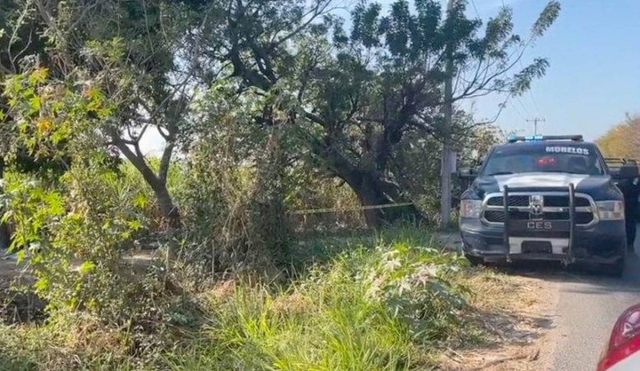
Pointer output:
x,y
75,233
383,308
390,302
74,227
234,187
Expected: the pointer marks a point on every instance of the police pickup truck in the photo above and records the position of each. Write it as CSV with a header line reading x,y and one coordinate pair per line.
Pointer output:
x,y
545,198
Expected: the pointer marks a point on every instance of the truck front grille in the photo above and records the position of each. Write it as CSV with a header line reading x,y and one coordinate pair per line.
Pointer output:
x,y
519,208
555,201
495,216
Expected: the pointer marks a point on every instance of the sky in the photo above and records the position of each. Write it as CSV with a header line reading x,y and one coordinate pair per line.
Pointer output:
x,y
594,76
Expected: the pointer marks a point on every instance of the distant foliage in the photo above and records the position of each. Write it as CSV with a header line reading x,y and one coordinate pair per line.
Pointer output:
x,y
622,140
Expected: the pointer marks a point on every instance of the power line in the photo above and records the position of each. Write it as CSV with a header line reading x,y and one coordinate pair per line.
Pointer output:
x,y
535,103
473,4
517,110
524,108
531,95
535,121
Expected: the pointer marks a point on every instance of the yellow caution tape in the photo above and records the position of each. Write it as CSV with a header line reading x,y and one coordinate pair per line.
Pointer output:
x,y
372,207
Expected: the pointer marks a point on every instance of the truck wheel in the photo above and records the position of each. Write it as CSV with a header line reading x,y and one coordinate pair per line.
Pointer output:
x,y
616,269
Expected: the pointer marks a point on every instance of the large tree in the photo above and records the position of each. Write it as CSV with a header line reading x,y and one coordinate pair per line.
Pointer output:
x,y
358,94
125,52
350,96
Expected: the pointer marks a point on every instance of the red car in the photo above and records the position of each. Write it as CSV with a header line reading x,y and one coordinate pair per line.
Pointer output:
x,y
622,353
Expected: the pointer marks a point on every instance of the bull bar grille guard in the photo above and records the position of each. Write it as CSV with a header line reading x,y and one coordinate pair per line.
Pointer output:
x,y
570,192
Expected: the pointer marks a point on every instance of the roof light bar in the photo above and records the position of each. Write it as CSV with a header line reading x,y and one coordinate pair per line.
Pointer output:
x,y
537,138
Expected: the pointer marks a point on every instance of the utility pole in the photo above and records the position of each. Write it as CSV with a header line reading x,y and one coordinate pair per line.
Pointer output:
x,y
535,124
447,110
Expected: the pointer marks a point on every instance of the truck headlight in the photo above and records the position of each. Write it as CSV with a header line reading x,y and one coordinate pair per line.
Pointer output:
x,y
610,210
470,208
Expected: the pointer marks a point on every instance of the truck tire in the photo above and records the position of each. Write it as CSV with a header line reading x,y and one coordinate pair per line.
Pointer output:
x,y
616,269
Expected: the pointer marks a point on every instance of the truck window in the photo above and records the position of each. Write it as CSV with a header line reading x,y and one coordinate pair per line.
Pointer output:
x,y
574,159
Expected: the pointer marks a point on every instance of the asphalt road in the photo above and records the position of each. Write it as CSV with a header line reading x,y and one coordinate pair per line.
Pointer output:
x,y
586,309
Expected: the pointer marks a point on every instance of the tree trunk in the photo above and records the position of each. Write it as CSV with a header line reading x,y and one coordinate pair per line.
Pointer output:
x,y
168,209
373,191
5,235
370,188
368,195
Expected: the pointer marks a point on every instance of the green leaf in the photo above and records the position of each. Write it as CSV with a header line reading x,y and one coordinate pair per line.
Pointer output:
x,y
140,200
41,284
20,255
548,15
86,267
39,75
134,224
35,103
55,203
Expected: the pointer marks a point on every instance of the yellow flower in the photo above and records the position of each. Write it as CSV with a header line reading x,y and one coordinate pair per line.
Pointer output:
x,y
44,124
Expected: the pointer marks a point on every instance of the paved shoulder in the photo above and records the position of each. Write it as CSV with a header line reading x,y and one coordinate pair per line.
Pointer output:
x,y
584,309
587,309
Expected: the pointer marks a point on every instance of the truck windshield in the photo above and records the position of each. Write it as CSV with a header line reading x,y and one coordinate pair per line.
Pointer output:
x,y
570,158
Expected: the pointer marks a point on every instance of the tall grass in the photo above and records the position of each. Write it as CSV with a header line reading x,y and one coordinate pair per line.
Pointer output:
x,y
387,301
383,306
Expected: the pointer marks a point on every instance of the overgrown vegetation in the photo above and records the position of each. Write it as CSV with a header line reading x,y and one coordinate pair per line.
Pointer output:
x,y
265,109
388,302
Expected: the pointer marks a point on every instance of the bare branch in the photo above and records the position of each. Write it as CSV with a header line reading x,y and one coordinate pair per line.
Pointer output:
x,y
487,79
5,70
146,22
313,14
14,37
315,118
495,118
166,135
85,11
144,128
180,86
138,161
136,138
21,52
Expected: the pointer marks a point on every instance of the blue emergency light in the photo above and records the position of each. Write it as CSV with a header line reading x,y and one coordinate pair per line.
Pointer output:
x,y
538,138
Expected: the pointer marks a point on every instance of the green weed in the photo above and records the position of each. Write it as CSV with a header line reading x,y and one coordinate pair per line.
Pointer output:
x,y
386,301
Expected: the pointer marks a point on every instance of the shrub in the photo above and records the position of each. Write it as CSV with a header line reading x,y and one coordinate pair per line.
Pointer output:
x,y
382,308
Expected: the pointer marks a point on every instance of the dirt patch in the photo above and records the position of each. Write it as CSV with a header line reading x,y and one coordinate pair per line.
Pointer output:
x,y
518,311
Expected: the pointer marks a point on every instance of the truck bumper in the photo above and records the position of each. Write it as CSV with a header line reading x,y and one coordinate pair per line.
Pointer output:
x,y
603,243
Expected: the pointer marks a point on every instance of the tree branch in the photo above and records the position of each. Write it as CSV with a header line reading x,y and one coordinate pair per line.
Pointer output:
x,y
165,162
137,160
315,12
487,80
